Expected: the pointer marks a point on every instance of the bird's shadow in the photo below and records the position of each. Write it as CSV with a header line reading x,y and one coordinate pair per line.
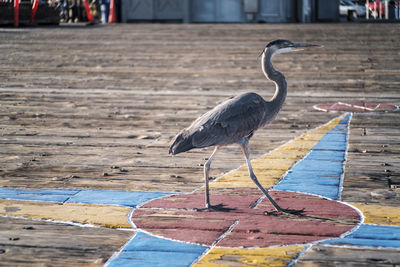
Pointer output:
x,y
216,208
287,212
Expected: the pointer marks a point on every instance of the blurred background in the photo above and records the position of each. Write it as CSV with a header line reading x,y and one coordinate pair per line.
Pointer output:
x,y
28,12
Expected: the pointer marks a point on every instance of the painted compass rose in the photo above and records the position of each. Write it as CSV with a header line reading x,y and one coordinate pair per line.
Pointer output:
x,y
307,172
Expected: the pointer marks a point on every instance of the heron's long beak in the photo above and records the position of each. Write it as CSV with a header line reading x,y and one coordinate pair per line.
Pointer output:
x,y
301,46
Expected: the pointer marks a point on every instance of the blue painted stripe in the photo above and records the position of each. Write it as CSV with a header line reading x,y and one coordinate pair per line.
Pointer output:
x,y
114,197
106,197
320,172
330,167
370,235
147,250
327,155
52,195
327,186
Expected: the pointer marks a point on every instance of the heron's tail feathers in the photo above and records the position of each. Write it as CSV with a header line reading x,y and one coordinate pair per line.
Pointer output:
x,y
181,144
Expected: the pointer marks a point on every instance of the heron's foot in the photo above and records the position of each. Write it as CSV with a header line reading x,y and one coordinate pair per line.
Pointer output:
x,y
214,208
285,212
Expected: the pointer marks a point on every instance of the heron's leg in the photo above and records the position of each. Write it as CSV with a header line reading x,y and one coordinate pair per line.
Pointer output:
x,y
207,166
244,145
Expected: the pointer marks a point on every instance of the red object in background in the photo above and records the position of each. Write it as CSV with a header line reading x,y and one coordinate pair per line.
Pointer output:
x,y
87,8
112,18
380,7
34,9
16,13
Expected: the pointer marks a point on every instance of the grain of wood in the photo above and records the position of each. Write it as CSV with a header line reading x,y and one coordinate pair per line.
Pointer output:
x,y
76,100
38,243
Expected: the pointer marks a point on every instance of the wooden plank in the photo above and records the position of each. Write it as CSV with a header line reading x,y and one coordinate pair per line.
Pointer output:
x,y
26,242
334,256
77,102
273,256
98,215
372,160
379,214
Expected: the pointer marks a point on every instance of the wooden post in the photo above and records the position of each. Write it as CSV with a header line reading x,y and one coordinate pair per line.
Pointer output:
x,y
34,9
386,9
87,8
16,13
112,17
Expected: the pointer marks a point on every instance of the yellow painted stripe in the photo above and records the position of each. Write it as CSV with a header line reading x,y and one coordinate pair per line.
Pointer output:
x,y
273,256
99,215
270,168
378,214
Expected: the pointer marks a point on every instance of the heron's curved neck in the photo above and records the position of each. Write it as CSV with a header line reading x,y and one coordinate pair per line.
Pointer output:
x,y
274,75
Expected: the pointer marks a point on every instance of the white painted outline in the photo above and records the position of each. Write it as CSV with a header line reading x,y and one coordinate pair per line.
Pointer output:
x,y
368,110
214,245
209,248
345,156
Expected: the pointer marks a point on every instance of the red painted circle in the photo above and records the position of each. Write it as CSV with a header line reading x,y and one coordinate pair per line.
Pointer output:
x,y
176,217
359,107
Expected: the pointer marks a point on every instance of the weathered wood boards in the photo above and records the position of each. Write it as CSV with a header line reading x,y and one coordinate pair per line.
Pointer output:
x,y
373,159
122,94
97,107
39,243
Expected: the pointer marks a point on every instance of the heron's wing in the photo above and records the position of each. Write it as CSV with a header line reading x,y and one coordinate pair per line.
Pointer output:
x,y
229,122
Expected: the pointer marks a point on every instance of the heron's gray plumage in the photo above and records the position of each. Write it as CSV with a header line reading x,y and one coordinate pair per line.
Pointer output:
x,y
225,124
235,120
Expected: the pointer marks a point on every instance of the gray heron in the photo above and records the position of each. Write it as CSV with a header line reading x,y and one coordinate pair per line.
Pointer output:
x,y
235,120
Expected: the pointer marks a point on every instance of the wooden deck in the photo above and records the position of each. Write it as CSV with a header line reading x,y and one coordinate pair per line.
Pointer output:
x,y
97,107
